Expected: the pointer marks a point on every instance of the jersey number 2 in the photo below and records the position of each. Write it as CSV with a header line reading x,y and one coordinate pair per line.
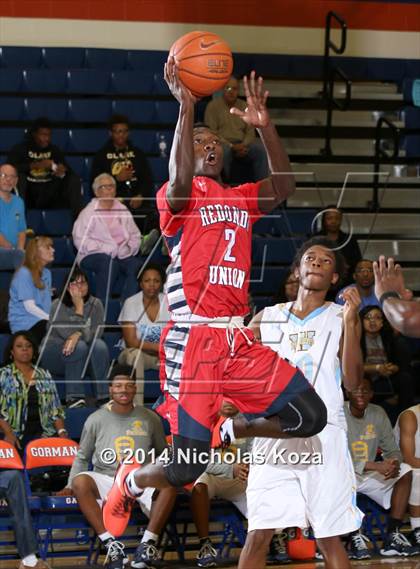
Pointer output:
x,y
230,235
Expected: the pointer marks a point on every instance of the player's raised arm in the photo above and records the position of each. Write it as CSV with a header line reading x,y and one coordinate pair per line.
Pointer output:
x,y
281,182
350,351
181,161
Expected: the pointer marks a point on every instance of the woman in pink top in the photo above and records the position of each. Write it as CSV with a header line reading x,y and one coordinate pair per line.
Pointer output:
x,y
108,240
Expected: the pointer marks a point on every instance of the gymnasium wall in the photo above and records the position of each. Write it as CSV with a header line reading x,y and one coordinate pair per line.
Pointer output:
x,y
378,29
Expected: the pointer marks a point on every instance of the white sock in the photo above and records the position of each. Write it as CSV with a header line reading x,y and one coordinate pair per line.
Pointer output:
x,y
105,536
30,560
149,536
131,485
227,428
415,522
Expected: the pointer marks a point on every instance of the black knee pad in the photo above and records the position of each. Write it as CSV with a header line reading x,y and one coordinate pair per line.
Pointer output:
x,y
304,416
189,460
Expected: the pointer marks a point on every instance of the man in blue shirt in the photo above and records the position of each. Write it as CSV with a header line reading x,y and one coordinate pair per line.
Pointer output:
x,y
12,221
364,282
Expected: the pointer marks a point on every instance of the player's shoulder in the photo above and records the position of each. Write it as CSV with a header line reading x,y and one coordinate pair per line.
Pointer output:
x,y
336,309
276,311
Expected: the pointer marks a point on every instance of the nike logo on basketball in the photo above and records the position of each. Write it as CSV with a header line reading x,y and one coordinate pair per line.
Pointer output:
x,y
207,45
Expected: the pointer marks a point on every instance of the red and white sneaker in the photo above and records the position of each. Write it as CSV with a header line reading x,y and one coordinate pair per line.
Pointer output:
x,y
219,438
116,510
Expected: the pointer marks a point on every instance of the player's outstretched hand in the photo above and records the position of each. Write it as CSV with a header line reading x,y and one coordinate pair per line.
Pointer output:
x,y
389,277
352,303
177,88
256,113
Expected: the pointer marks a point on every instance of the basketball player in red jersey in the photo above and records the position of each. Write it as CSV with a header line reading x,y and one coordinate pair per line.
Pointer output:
x,y
206,353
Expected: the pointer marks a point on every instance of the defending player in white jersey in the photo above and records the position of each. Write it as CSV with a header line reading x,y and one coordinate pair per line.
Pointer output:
x,y
309,481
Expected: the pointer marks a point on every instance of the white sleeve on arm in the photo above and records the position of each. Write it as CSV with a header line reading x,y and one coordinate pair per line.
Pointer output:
x,y
33,309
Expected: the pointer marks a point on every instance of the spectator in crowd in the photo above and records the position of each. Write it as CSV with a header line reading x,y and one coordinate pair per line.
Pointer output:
x,y
364,282
407,434
30,290
12,487
387,360
108,240
387,482
221,480
45,180
126,430
288,288
12,221
130,168
331,221
238,138
30,407
142,318
73,345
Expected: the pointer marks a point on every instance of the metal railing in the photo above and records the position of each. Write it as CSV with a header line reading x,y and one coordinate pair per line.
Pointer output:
x,y
382,152
330,74
330,45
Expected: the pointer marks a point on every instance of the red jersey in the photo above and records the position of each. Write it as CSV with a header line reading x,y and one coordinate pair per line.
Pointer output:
x,y
210,246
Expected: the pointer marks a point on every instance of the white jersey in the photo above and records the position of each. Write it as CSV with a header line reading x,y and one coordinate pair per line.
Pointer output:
x,y
416,410
312,345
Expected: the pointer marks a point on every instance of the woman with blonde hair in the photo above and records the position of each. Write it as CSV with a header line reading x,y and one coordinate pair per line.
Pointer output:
x,y
30,290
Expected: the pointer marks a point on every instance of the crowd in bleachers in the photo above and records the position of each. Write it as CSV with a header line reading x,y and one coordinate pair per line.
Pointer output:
x,y
82,294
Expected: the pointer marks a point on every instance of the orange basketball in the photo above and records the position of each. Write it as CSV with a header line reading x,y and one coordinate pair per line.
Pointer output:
x,y
204,62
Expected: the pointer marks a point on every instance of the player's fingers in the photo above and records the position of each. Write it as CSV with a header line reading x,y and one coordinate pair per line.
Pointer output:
x,y
382,265
376,269
252,83
246,87
265,97
237,112
390,265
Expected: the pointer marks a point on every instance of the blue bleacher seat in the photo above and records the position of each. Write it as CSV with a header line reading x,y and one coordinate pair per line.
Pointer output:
x,y
132,82
12,109
58,276
274,250
112,340
63,57
113,311
5,279
57,222
89,110
35,221
136,111
159,168
298,221
167,111
88,81
77,164
160,86
271,224
168,136
45,80
88,164
145,60
75,419
11,80
9,137
151,384
266,280
64,252
21,57
144,139
110,59
87,140
54,109
60,137
4,340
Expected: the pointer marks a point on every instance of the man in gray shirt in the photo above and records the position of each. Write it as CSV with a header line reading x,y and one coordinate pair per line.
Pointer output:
x,y
117,431
387,482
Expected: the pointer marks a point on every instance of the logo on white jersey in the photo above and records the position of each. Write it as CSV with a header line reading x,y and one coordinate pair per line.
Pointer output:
x,y
302,341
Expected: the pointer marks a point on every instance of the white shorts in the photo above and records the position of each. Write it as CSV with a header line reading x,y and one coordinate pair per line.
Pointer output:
x,y
104,484
230,489
322,496
373,485
415,488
